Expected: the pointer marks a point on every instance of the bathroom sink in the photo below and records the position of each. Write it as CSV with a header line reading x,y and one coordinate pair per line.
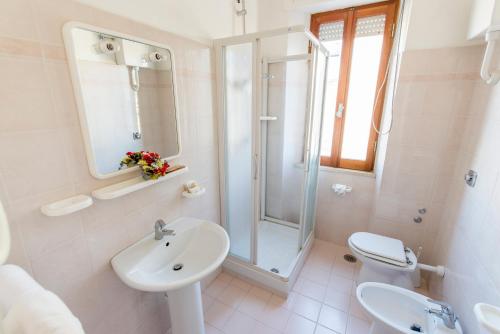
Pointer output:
x,y
196,250
189,250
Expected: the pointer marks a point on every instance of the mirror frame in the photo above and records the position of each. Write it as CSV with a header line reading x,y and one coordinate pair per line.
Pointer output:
x,y
4,236
75,79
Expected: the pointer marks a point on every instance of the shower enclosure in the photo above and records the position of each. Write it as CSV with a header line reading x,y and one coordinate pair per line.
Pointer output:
x,y
271,104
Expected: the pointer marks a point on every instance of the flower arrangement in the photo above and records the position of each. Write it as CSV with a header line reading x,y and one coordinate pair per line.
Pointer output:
x,y
151,165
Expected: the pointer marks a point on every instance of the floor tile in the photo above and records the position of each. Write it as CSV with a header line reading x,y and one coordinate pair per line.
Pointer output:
x,y
207,301
334,319
284,302
312,290
253,305
343,269
225,277
239,283
239,323
217,286
321,261
218,314
338,300
306,307
299,325
275,316
212,330
357,326
263,329
323,330
341,284
258,291
231,296
323,301
315,273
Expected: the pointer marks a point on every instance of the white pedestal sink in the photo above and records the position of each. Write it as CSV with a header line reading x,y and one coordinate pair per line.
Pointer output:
x,y
176,264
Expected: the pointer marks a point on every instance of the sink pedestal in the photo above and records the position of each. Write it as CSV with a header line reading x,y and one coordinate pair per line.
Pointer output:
x,y
186,310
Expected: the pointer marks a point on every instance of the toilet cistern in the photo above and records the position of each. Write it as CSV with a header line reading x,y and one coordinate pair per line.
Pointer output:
x,y
161,231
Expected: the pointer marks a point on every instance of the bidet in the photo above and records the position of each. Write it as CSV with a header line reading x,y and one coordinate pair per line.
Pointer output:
x,y
446,313
395,310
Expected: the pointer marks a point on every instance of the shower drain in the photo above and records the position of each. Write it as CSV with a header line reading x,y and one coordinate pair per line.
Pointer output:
x,y
275,270
350,258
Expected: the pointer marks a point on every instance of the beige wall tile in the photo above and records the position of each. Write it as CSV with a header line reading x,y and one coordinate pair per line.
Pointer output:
x,y
45,161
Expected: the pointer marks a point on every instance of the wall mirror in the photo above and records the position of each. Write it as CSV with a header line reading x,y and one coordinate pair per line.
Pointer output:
x,y
125,90
4,236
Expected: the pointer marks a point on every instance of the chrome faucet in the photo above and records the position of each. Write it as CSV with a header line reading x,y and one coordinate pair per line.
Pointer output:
x,y
161,231
446,313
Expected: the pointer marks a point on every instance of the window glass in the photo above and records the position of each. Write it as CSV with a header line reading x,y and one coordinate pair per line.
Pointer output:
x,y
363,77
331,35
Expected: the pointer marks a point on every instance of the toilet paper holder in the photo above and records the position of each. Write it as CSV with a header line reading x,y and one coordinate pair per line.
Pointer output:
x,y
341,189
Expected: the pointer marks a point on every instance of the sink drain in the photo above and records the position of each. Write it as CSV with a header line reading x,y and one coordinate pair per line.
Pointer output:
x,y
178,266
275,270
416,328
350,258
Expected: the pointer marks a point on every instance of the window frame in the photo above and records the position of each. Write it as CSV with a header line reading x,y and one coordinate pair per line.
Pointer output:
x,y
350,17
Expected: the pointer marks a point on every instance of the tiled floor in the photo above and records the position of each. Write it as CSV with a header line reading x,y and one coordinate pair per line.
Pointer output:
x,y
278,247
322,301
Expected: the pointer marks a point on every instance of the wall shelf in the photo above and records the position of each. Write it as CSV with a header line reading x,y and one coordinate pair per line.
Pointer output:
x,y
137,183
67,206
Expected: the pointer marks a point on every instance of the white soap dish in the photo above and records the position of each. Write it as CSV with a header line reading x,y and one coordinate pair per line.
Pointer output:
x,y
67,206
199,193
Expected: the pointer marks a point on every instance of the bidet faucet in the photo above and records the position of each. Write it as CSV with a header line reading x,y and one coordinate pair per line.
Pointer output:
x,y
161,231
446,313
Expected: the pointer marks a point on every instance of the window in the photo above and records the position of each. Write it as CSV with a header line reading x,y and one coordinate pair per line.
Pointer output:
x,y
362,38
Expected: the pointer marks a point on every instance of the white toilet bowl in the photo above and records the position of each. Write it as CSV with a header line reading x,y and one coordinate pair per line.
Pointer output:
x,y
384,260
394,310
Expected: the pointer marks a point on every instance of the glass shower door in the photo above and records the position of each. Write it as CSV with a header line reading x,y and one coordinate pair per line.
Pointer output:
x,y
238,140
312,155
283,135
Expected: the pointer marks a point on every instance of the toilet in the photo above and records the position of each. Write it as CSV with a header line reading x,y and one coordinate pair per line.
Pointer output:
x,y
384,260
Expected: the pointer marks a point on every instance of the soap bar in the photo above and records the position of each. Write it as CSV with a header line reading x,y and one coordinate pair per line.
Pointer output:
x,y
192,187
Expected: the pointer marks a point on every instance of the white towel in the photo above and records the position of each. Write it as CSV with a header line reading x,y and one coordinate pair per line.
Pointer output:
x,y
32,309
14,283
41,312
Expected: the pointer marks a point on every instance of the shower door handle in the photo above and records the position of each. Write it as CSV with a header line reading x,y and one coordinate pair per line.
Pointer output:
x,y
268,118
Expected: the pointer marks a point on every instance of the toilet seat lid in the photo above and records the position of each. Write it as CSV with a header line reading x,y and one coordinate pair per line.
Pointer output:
x,y
379,245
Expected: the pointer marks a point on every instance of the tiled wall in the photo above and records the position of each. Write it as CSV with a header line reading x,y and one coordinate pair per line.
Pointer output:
x,y
431,104
432,99
469,233
338,217
43,160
